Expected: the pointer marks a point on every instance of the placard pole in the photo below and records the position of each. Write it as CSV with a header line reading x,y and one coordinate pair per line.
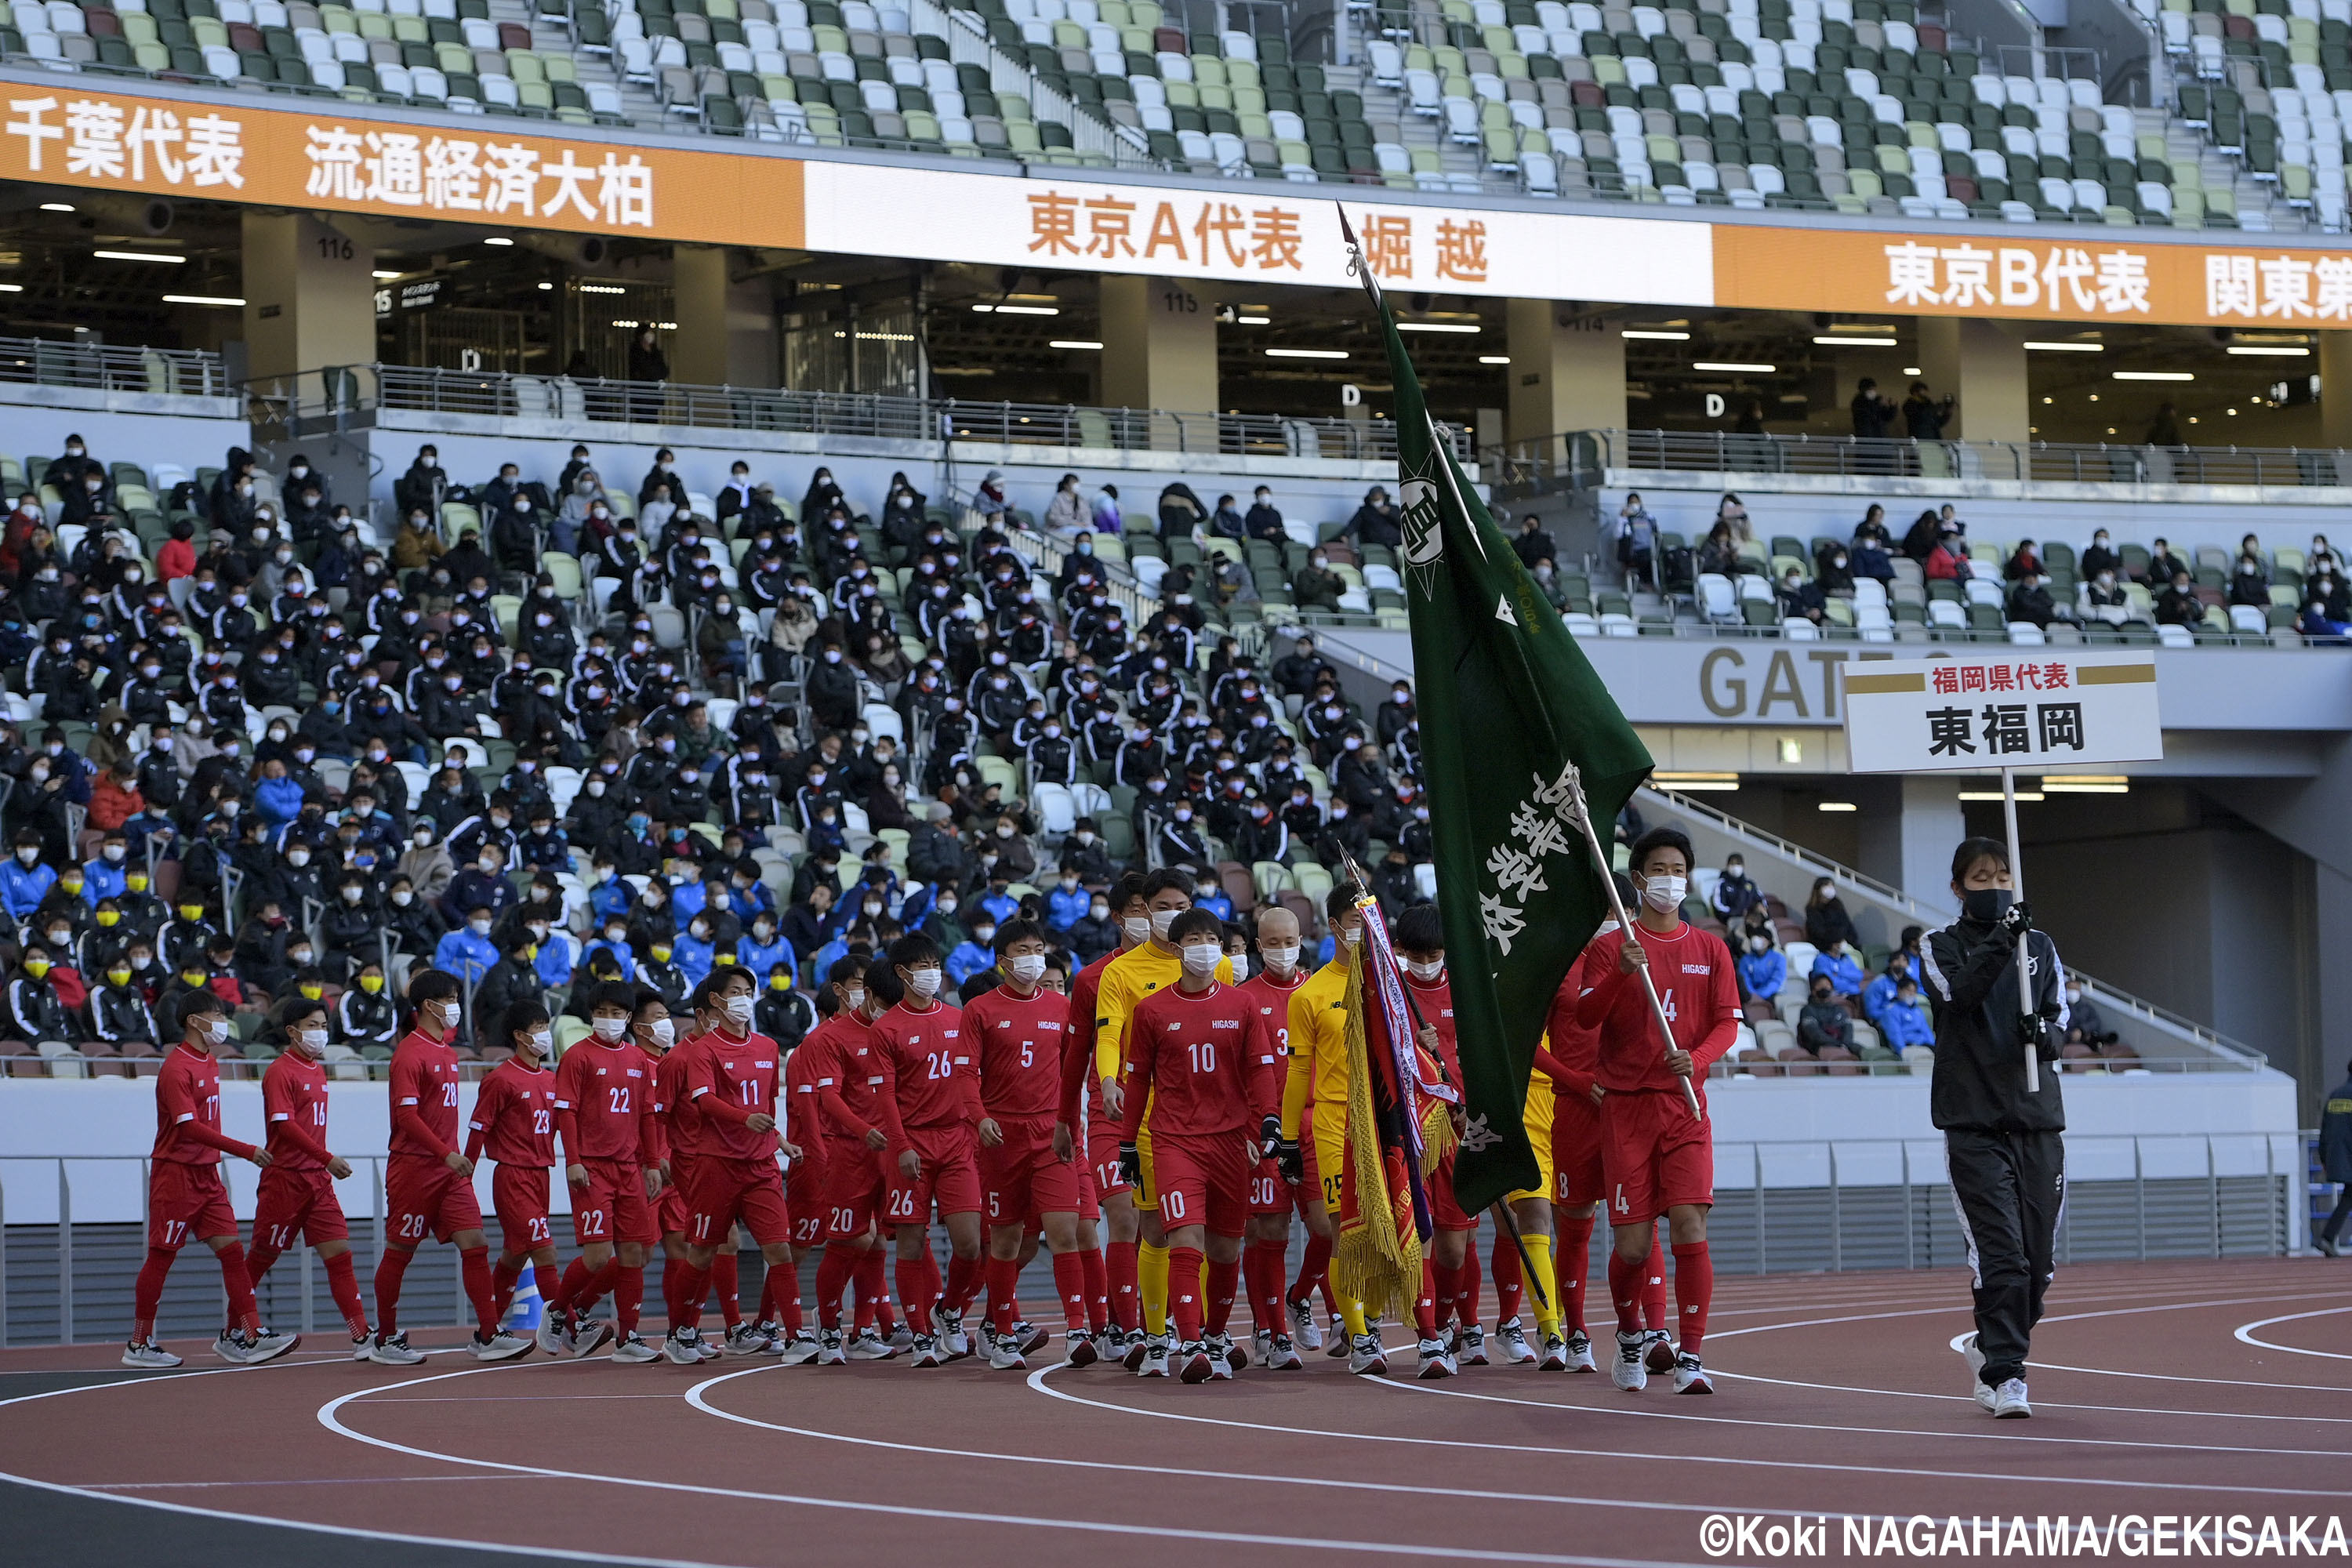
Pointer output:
x,y
2024,942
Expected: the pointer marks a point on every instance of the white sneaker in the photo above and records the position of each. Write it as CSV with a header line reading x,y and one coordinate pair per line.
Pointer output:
x,y
706,1349
553,1335
1555,1354
828,1349
1366,1358
1985,1395
148,1356
1155,1358
1305,1332
1081,1349
1281,1355
683,1347
1690,1377
954,1344
1334,1338
1658,1355
1579,1353
1435,1363
1517,1351
2008,1401
634,1349
927,1351
588,1333
798,1350
748,1338
239,1348
900,1337
361,1345
1262,1344
500,1346
1029,1339
392,1349
1193,1359
1974,1357
1134,1346
1470,1349
1225,1358
1005,1355
1628,1371
869,1345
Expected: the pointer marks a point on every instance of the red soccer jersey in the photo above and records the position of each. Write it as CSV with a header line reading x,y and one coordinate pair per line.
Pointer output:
x,y
1434,998
929,1067
1019,1043
424,1097
1201,1062
729,1080
805,1125
515,1115
294,1104
187,1109
1078,1043
683,1121
846,1062
602,1093
1575,1049
1693,974
1271,1000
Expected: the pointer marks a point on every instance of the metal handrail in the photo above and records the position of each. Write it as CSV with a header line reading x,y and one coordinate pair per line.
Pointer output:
x,y
355,391
109,367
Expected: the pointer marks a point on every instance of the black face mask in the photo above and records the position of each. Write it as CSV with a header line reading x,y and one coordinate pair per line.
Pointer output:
x,y
1986,905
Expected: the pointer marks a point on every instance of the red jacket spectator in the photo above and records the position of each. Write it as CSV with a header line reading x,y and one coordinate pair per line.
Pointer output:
x,y
177,558
1947,561
112,805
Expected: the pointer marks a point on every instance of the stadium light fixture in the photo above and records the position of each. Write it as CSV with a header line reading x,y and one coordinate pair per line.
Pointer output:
x,y
1073,343
1994,794
1736,366
2052,347
602,289
1017,309
499,240
202,300
383,275
56,207
2085,784
1437,327
161,255
12,288
2273,351
1252,321
1848,341
2156,376
1667,779
1837,806
1306,354
1494,359
1660,337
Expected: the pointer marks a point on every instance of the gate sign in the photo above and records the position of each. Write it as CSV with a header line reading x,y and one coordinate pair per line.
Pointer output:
x,y
2029,708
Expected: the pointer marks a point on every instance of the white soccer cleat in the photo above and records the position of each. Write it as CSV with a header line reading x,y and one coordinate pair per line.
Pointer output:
x,y
1005,1355
1194,1361
361,1345
1081,1348
500,1346
1133,1347
1262,1344
828,1349
1628,1371
1435,1363
392,1350
798,1350
239,1348
1555,1354
1155,1358
1470,1347
553,1335
1579,1353
1334,1338
2009,1403
634,1349
587,1333
869,1345
1658,1355
1690,1377
1304,1330
954,1344
1281,1355
901,1337
146,1355
683,1347
1366,1358
1517,1351
1029,1338
1225,1358
927,1352
748,1338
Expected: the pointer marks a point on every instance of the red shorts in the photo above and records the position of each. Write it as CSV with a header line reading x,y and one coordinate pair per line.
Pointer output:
x,y
1654,1155
1444,1212
519,1197
1102,1159
186,1203
670,1207
1202,1179
423,1197
727,1190
1269,1192
806,1186
297,1204
853,1197
950,1176
611,1205
1577,1134
1023,1178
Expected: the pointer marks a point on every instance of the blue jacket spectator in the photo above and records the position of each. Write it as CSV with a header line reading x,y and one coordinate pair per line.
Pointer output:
x,y
691,954
1761,974
474,889
1905,1023
1216,903
828,956
1065,906
759,956
685,899
969,959
1844,973
554,961
279,800
1879,995
101,878
623,954
611,898
999,904
23,880
466,954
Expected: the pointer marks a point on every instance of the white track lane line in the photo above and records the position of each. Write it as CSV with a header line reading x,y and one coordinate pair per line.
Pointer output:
x,y
1037,1380
2245,1333
329,1415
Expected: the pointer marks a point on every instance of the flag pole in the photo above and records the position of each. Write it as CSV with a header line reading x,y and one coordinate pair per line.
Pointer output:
x,y
1575,782
2024,938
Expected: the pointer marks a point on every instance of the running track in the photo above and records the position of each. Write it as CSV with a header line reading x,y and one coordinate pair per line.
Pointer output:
x,y
2177,1387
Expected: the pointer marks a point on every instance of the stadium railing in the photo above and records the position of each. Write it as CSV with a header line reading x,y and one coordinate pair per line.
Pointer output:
x,y
106,367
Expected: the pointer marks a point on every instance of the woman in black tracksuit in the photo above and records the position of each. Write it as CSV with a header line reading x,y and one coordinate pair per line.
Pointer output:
x,y
2003,1142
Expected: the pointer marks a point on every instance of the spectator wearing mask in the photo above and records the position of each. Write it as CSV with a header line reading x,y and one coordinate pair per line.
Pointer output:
x,y
1873,415
2326,606
467,951
1762,967
1824,1036
2087,1036
1906,1029
1264,520
1925,415
1636,535
1375,521
2179,604
1879,994
1826,921
2104,599
2250,575
1835,964
2098,556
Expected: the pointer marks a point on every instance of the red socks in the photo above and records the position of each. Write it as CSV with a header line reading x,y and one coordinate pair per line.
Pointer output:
x,y
474,1270
1097,1288
257,1260
780,1297
148,1293
628,1288
1694,1292
504,1278
873,1277
1571,1258
1003,1278
1626,1280
1070,1285
1466,1299
1653,1293
1224,1279
727,1278
1425,1305
1449,1297
388,1274
1184,1291
344,1286
1314,1268
693,1285
1511,1284
1120,1273
963,1281
833,1271
914,1290
1262,1273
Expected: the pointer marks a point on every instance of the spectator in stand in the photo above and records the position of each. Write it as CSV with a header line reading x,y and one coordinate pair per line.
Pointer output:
x,y
1375,521
1801,600
1950,559
1735,893
1107,517
1824,1035
1317,587
2179,606
1265,520
1533,544
1066,514
2104,599
2024,563
1869,549
1719,553
1635,533
2098,556
1838,967
2250,575
1226,521
2088,1038
1925,415
1826,921
1879,995
1906,1025
2335,1164
2323,556
1873,415
2326,606
1731,512
1762,967
2163,565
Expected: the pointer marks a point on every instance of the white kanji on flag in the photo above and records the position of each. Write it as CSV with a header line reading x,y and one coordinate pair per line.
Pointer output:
x,y
1541,833
571,177
2286,287
153,133
2228,284
217,152
334,154
1968,276
2123,282
1502,921
33,128
95,147
625,192
1911,274
1518,874
453,178
395,168
2334,276
2069,267
513,172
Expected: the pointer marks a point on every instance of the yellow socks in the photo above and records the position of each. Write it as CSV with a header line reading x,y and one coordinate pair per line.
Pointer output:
x,y
1351,1312
1151,1284
1543,1287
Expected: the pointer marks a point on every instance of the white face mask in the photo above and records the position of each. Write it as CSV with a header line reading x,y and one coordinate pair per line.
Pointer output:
x,y
1279,960
740,1009
922,984
610,1028
1424,972
543,1042
856,995
1160,920
1137,927
1028,968
664,1033
217,1029
1201,957
1240,961
1352,936
314,1040
1664,894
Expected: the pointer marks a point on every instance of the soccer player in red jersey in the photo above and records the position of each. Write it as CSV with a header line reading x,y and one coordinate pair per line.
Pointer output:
x,y
1193,1050
185,1198
1656,1157
930,1108
297,1189
1016,1033
1273,1199
514,1124
1420,948
806,1182
428,1182
608,1116
1111,1273
851,1085
733,1081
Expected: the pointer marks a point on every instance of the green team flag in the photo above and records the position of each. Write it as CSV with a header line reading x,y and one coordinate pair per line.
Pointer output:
x,y
1507,706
